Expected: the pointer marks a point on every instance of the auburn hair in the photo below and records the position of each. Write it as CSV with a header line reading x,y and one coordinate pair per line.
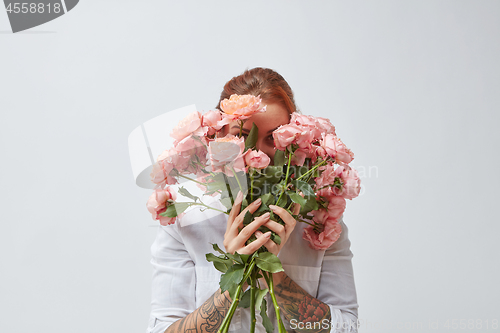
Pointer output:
x,y
263,82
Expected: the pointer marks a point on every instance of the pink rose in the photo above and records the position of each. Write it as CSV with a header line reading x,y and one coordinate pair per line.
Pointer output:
x,y
189,126
336,206
325,126
336,149
190,153
285,135
160,174
257,159
316,125
351,182
300,119
308,124
203,181
241,106
214,121
299,157
323,234
343,182
327,176
306,138
320,151
226,153
187,144
158,203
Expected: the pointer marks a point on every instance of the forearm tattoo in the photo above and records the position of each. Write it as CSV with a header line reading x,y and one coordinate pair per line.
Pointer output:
x,y
207,318
296,303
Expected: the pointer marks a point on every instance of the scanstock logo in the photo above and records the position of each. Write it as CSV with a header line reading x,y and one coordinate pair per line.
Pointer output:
x,y
29,14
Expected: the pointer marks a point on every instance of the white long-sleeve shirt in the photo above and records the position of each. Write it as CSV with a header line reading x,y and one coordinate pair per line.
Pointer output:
x,y
183,279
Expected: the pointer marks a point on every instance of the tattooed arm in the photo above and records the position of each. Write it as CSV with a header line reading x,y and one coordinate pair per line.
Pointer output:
x,y
207,318
308,313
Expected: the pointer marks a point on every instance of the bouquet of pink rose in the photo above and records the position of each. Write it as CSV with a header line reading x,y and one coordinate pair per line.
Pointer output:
x,y
310,168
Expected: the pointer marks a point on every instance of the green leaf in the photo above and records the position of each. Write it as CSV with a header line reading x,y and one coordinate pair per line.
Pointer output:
x,y
232,277
244,204
244,257
310,205
217,248
221,267
215,186
279,158
268,325
186,193
222,258
175,209
259,297
248,218
267,199
304,187
245,300
232,291
227,203
283,201
212,257
297,198
298,171
268,262
275,238
221,263
273,174
251,140
236,257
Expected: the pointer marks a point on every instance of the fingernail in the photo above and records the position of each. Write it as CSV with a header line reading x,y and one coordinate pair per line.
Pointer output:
x,y
273,207
266,215
258,201
239,196
267,234
258,234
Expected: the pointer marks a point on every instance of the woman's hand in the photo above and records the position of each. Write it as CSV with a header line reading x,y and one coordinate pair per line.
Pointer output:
x,y
282,231
234,239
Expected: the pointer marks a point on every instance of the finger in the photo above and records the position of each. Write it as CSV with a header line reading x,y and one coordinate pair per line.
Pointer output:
x,y
238,221
270,245
290,222
248,231
279,229
256,244
235,210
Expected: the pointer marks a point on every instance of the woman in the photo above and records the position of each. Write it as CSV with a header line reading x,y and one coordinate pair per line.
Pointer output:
x,y
186,297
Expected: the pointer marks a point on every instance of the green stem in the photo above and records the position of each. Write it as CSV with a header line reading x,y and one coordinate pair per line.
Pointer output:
x,y
251,187
304,221
202,204
312,170
286,177
193,180
252,302
270,284
237,180
224,327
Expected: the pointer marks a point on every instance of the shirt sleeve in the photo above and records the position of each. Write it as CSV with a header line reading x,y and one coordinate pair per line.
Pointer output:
x,y
336,286
173,283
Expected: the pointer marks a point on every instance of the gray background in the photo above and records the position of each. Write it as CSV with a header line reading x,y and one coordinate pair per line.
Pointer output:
x,y
412,87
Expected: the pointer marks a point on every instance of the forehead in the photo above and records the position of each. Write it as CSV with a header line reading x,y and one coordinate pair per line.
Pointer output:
x,y
275,116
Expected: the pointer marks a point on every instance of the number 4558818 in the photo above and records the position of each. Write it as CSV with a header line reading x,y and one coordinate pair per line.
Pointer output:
x,y
33,7
471,324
